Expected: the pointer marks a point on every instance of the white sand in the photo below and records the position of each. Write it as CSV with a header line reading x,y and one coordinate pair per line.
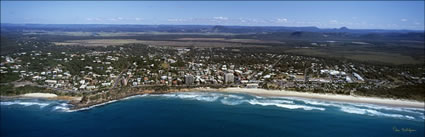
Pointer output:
x,y
333,97
40,95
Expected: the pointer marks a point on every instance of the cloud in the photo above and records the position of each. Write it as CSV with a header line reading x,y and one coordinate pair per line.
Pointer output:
x,y
281,20
403,20
220,18
94,19
242,20
178,20
247,20
333,22
254,20
116,19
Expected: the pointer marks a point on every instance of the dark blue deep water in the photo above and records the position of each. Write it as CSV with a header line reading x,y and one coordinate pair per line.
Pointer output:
x,y
209,114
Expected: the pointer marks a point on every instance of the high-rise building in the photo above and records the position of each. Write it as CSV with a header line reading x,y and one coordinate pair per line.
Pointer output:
x,y
306,75
124,82
189,79
229,78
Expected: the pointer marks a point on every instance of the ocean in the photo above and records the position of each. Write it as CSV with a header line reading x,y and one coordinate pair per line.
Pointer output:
x,y
209,114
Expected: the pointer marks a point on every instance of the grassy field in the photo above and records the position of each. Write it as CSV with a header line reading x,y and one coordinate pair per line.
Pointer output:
x,y
99,42
373,51
362,52
116,34
231,40
198,44
359,55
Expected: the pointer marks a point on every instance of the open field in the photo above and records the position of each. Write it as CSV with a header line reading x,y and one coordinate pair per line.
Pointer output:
x,y
359,55
116,34
99,42
198,44
363,52
230,40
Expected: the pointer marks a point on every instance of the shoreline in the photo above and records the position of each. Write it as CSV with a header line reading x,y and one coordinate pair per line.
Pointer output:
x,y
325,97
49,96
39,95
276,93
77,105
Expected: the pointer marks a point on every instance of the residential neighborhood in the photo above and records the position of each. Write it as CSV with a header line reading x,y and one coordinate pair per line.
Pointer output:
x,y
228,67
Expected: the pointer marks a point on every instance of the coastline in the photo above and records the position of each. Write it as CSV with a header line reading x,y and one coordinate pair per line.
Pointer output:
x,y
329,97
78,105
39,95
49,96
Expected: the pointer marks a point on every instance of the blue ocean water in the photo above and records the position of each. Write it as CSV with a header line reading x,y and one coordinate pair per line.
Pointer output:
x,y
209,114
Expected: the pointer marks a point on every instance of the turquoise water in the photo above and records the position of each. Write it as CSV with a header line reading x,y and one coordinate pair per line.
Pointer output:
x,y
209,114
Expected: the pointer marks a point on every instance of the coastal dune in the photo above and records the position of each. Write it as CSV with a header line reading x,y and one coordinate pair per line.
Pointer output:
x,y
331,97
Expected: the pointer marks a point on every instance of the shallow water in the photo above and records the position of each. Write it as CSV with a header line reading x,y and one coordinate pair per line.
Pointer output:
x,y
209,114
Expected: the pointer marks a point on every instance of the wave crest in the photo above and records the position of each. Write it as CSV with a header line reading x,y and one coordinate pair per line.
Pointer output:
x,y
289,106
25,103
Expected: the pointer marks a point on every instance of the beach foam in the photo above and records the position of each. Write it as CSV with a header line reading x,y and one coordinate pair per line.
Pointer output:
x,y
306,104
24,103
201,96
238,99
136,96
365,109
64,107
232,102
288,106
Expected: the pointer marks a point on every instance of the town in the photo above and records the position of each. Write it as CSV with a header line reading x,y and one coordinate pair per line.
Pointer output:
x,y
138,65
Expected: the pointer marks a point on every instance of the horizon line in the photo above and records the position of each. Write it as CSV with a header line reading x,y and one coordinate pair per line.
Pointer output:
x,y
219,25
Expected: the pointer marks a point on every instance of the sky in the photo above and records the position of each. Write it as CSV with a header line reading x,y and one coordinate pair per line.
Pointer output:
x,y
322,14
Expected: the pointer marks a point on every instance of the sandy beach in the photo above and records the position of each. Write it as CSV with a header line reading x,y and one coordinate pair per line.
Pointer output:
x,y
280,93
331,97
40,95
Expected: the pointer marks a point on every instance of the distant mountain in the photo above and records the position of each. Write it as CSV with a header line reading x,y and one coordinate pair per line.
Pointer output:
x,y
255,32
184,28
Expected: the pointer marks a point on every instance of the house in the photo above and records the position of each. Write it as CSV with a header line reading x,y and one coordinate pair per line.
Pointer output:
x,y
229,78
51,81
252,85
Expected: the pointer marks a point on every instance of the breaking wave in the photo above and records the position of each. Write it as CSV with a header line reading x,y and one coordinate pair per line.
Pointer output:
x,y
60,106
302,103
64,107
241,99
372,112
24,103
282,105
211,97
232,99
369,109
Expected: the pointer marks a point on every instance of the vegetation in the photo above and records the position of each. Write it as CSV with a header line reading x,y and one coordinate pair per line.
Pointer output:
x,y
8,77
9,90
414,92
387,53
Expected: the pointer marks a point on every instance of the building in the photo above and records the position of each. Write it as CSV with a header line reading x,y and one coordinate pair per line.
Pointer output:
x,y
306,75
51,82
229,78
189,79
124,82
252,85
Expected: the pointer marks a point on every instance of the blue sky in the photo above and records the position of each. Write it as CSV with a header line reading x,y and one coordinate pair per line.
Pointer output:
x,y
323,14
